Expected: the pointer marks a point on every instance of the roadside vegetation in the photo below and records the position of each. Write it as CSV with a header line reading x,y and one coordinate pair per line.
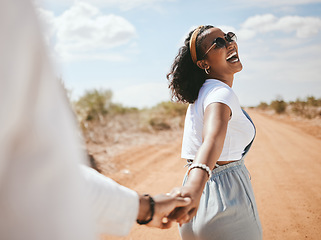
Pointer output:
x,y
308,108
109,128
103,120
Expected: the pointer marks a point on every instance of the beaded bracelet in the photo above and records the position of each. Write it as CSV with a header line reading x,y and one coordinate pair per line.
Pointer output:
x,y
202,166
152,210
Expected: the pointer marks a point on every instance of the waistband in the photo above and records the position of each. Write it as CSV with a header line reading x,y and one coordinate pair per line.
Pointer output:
x,y
220,168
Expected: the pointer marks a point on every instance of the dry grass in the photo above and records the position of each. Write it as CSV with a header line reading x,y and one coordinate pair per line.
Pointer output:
x,y
112,135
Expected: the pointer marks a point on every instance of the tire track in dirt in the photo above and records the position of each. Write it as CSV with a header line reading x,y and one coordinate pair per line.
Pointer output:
x,y
285,164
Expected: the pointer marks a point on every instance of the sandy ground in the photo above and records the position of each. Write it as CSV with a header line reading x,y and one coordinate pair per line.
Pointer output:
x,y
285,164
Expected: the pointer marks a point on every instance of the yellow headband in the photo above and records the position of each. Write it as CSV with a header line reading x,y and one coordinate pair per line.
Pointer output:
x,y
192,44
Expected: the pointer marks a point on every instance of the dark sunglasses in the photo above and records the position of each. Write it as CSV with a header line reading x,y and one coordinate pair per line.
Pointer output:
x,y
221,42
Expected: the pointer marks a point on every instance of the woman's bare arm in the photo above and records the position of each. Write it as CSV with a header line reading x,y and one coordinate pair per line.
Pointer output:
x,y
216,119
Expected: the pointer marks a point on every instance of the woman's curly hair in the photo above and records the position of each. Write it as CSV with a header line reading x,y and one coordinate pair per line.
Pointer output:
x,y
186,78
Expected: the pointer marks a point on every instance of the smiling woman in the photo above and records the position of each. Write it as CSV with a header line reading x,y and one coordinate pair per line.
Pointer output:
x,y
217,136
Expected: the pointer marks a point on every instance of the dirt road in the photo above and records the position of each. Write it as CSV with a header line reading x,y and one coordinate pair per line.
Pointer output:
x,y
285,164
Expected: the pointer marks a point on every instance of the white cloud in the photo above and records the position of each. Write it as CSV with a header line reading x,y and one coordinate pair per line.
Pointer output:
x,y
245,34
83,32
265,3
304,27
121,4
260,23
83,28
130,4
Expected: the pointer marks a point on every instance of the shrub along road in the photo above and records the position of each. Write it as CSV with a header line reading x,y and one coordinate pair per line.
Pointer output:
x,y
285,164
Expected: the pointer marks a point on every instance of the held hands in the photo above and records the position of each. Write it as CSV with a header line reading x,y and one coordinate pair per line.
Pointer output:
x,y
162,207
185,214
193,189
180,205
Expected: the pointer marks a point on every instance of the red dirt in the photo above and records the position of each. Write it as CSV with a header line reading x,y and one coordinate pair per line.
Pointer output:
x,y
285,164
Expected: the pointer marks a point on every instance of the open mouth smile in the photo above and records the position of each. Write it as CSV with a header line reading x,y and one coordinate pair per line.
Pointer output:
x,y
232,57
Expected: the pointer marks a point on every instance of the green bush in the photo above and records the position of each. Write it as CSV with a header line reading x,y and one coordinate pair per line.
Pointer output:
x,y
298,107
167,115
171,109
94,104
310,108
97,105
279,106
159,123
117,108
263,106
312,101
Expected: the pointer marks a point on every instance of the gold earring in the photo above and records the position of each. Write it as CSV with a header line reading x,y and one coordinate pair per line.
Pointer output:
x,y
207,70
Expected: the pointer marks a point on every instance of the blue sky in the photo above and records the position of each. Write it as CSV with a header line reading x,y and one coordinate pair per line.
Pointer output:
x,y
128,45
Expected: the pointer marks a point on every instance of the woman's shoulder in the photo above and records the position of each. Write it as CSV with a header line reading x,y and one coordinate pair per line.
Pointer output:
x,y
213,86
216,84
217,91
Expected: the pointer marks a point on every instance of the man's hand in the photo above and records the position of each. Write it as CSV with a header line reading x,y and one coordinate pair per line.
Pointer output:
x,y
164,205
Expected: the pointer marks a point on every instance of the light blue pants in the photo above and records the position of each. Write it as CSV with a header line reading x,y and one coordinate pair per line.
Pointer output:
x,y
227,209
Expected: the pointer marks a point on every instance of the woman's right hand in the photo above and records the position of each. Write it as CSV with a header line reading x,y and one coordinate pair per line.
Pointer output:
x,y
185,214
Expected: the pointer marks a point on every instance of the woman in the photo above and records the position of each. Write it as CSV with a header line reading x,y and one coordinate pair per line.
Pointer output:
x,y
217,135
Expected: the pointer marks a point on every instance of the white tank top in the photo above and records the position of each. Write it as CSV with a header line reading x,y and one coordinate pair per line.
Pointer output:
x,y
240,130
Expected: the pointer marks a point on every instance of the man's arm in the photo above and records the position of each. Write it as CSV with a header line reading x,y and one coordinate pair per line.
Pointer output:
x,y
41,195
116,208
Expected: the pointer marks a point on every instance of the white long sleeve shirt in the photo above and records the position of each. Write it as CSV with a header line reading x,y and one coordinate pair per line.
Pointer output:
x,y
115,206
43,193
